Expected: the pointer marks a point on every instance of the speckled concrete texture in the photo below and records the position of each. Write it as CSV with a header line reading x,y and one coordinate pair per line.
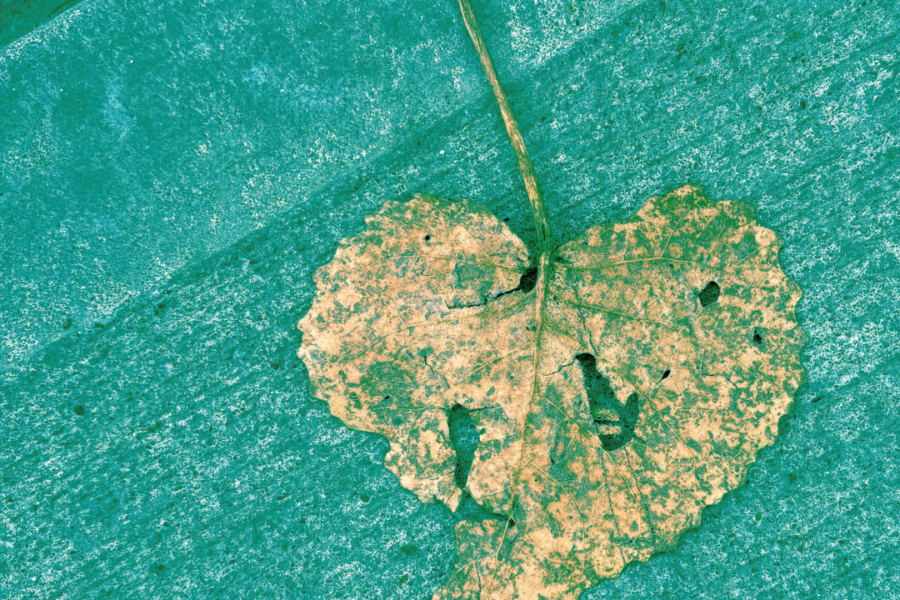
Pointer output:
x,y
172,173
18,17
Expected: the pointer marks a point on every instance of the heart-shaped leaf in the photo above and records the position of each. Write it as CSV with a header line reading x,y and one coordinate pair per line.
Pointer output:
x,y
619,385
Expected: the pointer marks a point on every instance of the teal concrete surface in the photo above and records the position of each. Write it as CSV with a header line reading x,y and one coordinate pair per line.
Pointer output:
x,y
18,17
173,172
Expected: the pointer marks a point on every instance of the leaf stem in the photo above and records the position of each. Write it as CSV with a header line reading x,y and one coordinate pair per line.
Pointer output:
x,y
535,197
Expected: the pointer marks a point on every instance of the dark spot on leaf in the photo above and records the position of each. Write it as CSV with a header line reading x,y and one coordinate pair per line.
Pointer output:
x,y
157,569
709,294
464,439
404,579
666,374
802,104
602,399
816,399
67,323
79,410
792,478
364,497
757,339
408,549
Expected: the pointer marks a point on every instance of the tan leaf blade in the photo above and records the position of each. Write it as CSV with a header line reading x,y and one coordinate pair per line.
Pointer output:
x,y
631,387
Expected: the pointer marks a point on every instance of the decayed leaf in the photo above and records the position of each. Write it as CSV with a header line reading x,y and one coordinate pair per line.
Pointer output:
x,y
631,386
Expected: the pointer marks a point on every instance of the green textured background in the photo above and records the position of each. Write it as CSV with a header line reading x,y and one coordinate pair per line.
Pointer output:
x,y
172,173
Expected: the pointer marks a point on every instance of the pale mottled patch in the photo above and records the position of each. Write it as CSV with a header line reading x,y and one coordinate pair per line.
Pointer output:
x,y
420,312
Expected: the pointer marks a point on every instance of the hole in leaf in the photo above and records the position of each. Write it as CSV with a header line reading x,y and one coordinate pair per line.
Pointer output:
x,y
526,283
602,399
666,374
784,424
464,439
757,339
427,238
709,294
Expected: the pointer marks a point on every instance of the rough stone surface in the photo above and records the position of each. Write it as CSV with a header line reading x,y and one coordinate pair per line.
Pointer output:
x,y
18,17
172,173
